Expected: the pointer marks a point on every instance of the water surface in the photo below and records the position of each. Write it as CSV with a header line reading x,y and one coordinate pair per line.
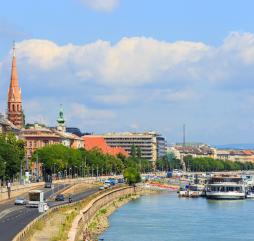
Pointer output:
x,y
165,217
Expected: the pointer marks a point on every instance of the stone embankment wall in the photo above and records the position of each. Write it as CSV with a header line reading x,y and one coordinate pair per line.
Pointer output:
x,y
81,222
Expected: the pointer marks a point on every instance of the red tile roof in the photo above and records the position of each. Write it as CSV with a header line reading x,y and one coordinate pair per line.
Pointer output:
x,y
247,152
91,142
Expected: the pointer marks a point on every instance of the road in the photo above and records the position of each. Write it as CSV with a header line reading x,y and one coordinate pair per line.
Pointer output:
x,y
14,218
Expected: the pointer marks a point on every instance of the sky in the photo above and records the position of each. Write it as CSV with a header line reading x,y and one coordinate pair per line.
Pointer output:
x,y
128,65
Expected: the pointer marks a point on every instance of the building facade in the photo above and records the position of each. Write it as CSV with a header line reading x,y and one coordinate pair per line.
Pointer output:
x,y
204,150
151,144
38,136
197,150
235,155
15,112
6,126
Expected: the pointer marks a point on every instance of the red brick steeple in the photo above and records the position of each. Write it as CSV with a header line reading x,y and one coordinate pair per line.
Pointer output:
x,y
15,113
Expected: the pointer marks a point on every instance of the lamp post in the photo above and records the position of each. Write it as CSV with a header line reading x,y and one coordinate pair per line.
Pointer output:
x,y
70,172
54,169
37,168
4,171
21,172
43,173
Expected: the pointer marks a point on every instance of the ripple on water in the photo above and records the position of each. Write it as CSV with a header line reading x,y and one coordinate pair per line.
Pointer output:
x,y
165,217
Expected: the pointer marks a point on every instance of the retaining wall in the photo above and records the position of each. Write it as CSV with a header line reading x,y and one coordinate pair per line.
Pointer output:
x,y
23,234
80,223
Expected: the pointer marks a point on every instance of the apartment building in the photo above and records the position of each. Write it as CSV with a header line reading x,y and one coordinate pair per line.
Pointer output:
x,y
151,144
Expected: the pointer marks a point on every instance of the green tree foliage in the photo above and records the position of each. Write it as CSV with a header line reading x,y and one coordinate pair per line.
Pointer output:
x,y
132,175
12,153
58,158
138,152
210,164
133,151
168,162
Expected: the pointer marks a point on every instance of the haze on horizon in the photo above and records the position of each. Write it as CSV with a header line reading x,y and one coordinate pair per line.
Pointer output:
x,y
127,65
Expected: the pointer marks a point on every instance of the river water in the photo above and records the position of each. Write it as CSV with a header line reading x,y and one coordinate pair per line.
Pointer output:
x,y
165,217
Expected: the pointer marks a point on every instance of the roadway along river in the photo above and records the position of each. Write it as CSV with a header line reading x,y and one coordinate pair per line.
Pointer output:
x,y
14,218
165,217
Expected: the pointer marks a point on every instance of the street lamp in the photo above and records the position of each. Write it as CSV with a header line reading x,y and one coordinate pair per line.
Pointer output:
x,y
70,172
21,172
37,168
4,171
53,170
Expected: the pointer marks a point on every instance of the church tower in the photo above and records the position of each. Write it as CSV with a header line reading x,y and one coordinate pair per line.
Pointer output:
x,y
15,113
60,120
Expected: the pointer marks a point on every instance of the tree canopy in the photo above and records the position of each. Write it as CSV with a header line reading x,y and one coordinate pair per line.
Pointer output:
x,y
132,175
210,164
58,158
12,154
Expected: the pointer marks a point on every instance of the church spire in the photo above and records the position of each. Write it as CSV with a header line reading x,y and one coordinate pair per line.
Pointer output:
x,y
15,114
14,48
61,120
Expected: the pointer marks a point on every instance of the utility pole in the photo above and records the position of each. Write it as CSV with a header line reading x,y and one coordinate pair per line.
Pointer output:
x,y
184,135
184,144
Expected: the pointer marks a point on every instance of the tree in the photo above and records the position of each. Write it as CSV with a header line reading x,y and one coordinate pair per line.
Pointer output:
x,y
11,156
133,151
132,175
138,152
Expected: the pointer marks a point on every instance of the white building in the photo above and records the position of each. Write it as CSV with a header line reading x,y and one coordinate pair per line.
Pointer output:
x,y
152,145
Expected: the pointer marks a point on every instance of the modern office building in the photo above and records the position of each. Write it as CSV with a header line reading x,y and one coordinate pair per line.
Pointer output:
x,y
151,144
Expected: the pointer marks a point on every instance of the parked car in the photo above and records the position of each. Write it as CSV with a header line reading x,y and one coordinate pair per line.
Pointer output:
x,y
120,180
113,181
20,201
59,197
108,183
48,185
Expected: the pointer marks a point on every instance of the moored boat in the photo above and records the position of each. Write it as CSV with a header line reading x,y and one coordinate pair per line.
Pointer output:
x,y
225,188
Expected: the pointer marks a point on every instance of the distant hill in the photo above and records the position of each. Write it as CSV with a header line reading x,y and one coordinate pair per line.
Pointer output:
x,y
245,146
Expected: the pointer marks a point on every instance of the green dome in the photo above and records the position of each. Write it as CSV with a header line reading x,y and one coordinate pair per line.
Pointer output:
x,y
60,118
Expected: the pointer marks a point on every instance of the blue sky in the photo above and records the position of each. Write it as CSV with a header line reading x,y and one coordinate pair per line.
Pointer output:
x,y
128,65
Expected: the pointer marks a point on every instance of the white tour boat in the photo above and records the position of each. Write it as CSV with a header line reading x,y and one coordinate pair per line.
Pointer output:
x,y
225,188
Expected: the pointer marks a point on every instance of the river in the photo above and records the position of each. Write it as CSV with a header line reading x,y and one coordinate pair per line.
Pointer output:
x,y
165,217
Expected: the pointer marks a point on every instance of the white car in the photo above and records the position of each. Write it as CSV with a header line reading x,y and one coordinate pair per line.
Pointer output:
x,y
20,201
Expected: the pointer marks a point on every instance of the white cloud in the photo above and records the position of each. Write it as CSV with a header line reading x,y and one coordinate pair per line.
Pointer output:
x,y
87,115
78,114
132,83
136,62
101,5
115,98
131,62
